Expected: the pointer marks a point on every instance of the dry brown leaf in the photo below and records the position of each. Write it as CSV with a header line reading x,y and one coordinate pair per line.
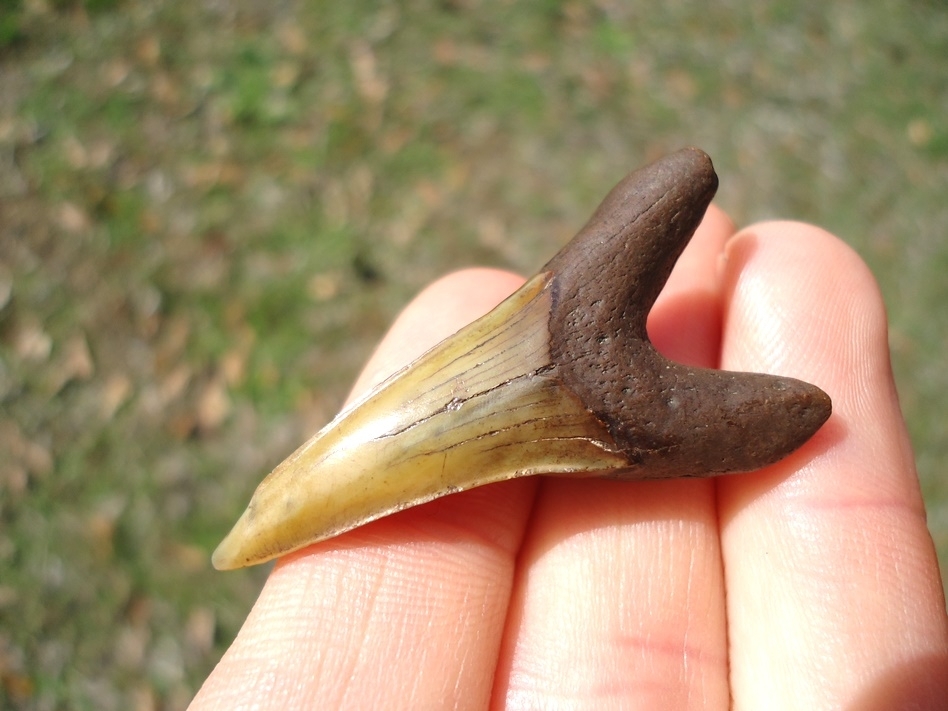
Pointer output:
x,y
31,342
199,629
8,596
174,384
324,286
292,38
115,392
233,366
285,74
38,459
25,457
18,687
371,85
214,406
74,363
148,50
72,218
190,559
14,479
174,339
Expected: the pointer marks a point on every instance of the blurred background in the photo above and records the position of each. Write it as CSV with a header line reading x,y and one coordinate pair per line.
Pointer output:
x,y
210,211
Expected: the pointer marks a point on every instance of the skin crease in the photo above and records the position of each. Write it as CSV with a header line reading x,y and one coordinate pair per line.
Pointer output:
x,y
812,584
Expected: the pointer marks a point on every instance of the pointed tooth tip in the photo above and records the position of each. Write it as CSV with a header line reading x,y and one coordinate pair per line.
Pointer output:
x,y
225,557
235,551
821,406
807,408
809,396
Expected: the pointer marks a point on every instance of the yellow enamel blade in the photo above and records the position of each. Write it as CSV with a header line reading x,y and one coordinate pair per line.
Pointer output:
x,y
475,409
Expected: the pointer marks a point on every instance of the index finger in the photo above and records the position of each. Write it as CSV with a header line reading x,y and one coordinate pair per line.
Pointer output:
x,y
406,611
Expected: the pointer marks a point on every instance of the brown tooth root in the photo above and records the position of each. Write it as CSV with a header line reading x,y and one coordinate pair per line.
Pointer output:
x,y
671,420
559,379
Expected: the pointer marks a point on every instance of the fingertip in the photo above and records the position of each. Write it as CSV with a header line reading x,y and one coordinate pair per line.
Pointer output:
x,y
685,323
439,310
698,265
716,222
472,292
801,302
798,298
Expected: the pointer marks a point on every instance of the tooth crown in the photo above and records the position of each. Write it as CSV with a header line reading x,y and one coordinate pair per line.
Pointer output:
x,y
477,408
559,379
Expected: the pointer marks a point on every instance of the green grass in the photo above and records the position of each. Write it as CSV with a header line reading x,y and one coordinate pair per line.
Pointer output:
x,y
228,204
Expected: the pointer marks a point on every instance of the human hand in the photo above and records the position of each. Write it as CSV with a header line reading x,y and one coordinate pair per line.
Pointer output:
x,y
811,584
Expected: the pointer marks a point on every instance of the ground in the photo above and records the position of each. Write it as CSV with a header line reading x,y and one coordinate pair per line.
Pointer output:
x,y
210,211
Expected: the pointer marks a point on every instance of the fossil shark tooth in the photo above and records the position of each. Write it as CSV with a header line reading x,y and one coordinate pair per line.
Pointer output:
x,y
558,379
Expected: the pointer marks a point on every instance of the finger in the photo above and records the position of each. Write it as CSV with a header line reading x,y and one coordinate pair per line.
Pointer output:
x,y
834,598
439,311
407,611
685,323
618,601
